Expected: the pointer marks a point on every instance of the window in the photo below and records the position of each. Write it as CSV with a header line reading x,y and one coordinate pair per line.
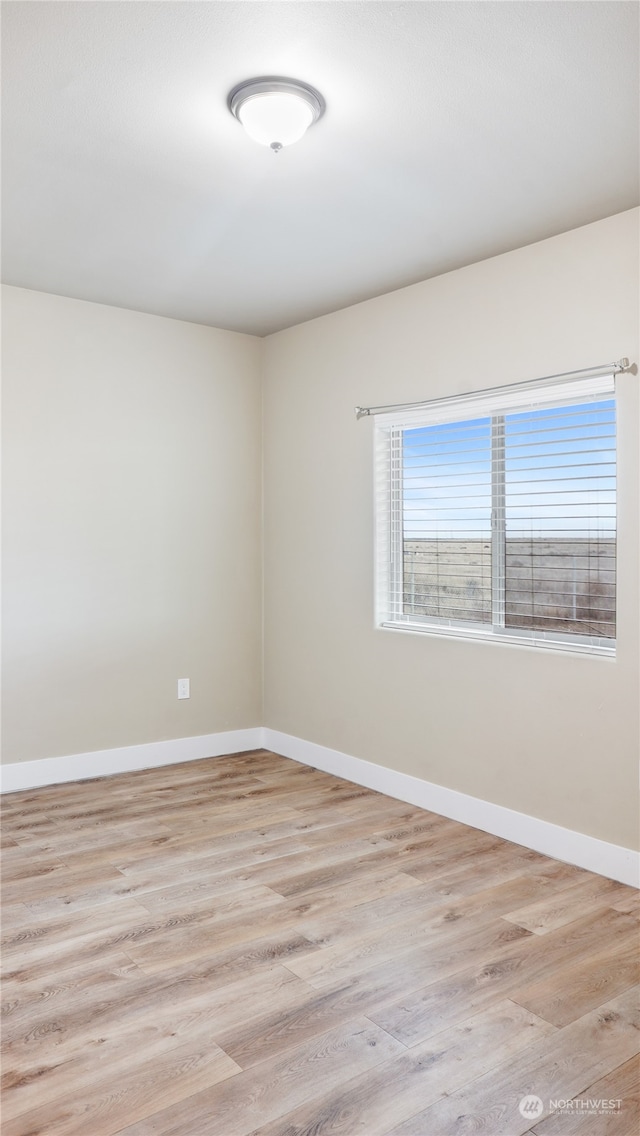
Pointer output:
x,y
496,515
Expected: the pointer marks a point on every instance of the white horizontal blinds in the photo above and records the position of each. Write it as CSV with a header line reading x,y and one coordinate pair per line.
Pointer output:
x,y
560,519
497,511
388,496
447,521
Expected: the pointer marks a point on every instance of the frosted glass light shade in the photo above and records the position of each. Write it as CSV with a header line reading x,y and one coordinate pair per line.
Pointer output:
x,y
275,119
275,112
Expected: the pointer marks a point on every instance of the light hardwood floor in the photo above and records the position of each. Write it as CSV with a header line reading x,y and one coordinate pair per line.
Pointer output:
x,y
246,945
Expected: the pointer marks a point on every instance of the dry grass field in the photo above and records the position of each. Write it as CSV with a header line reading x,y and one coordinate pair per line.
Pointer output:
x,y
550,585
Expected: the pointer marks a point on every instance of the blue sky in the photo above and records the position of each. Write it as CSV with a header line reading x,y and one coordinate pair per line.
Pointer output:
x,y
559,481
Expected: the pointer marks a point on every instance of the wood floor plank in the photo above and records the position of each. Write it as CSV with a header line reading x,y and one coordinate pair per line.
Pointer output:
x,y
619,1117
94,843
334,869
25,825
629,903
149,873
244,944
465,853
104,1105
33,998
15,916
93,1034
504,973
583,984
43,936
53,883
268,863
560,1066
167,934
366,886
563,907
378,1100
156,952
275,1086
338,925
427,908
15,866
437,952
36,992
199,889
290,875
89,1010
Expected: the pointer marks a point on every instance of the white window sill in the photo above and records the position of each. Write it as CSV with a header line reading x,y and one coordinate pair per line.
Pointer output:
x,y
600,648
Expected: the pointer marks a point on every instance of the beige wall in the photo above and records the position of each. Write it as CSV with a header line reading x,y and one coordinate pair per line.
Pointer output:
x,y
548,734
131,527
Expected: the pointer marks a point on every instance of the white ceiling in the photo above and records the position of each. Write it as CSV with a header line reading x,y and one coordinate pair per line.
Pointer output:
x,y
453,132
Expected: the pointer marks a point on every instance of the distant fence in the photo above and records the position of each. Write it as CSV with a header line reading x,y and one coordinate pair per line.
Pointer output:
x,y
554,585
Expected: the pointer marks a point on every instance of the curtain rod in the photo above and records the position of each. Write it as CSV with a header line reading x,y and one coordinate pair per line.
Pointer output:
x,y
604,368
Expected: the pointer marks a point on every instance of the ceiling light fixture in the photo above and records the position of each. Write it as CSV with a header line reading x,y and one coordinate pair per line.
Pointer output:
x,y
275,112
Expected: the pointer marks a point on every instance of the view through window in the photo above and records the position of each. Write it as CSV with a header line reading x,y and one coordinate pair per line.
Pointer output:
x,y
505,522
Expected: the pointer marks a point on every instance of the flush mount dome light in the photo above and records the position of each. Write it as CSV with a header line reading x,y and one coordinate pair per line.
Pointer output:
x,y
275,112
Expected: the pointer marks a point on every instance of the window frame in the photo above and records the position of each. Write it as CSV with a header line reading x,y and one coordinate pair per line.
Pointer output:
x,y
389,507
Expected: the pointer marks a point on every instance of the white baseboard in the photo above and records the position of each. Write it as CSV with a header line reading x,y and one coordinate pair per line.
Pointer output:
x,y
598,856
104,762
611,860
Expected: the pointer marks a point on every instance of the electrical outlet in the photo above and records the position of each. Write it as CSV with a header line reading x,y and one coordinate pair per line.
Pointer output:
x,y
183,688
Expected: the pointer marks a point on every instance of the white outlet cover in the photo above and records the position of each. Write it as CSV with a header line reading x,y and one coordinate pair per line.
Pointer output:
x,y
183,688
